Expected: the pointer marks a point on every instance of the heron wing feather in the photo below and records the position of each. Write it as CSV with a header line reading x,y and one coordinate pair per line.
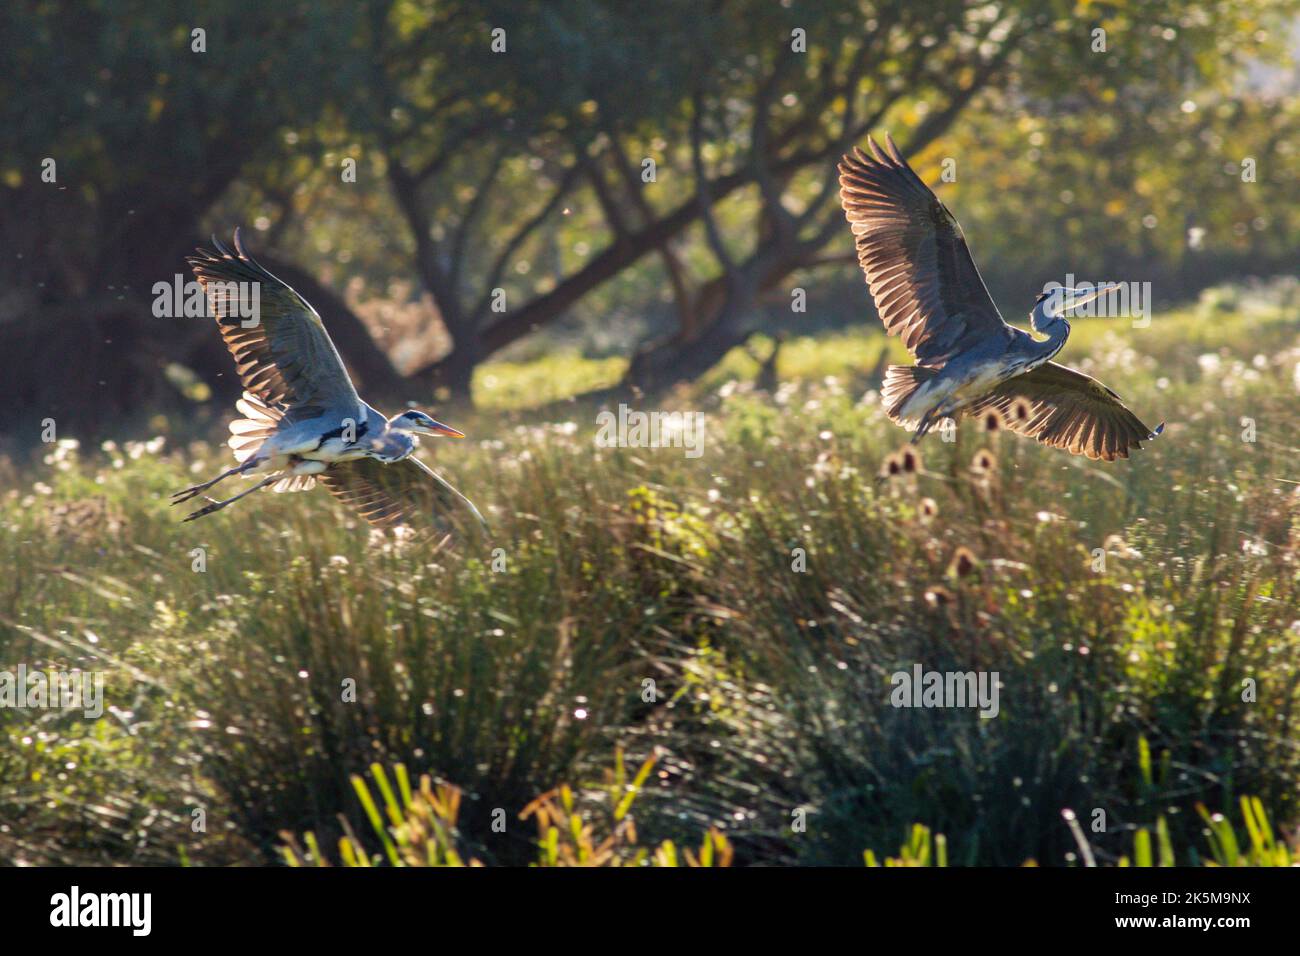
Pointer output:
x,y
1067,410
918,268
407,492
286,359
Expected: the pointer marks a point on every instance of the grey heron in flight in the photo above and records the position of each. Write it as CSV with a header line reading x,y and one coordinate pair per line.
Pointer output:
x,y
969,360
303,418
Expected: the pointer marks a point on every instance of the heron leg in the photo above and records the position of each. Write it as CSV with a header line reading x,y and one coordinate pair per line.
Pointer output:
x,y
193,490
922,427
947,409
218,505
187,493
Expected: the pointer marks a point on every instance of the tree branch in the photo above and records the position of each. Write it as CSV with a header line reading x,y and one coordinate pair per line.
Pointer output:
x,y
704,200
566,184
471,214
677,276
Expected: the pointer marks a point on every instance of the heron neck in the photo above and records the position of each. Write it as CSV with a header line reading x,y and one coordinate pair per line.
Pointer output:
x,y
395,444
1040,320
1057,331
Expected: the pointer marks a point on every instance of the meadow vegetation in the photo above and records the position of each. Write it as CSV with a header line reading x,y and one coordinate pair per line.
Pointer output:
x,y
1123,607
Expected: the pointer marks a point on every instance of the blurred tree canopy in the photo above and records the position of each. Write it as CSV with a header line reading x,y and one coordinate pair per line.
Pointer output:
x,y
521,163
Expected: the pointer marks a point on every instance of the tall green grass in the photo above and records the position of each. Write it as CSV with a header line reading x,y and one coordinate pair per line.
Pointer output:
x,y
231,688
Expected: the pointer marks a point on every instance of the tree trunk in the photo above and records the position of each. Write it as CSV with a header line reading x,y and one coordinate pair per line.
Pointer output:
x,y
454,371
659,368
720,310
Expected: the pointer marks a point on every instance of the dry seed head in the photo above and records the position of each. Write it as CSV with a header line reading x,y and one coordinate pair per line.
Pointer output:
x,y
984,462
991,420
963,562
937,596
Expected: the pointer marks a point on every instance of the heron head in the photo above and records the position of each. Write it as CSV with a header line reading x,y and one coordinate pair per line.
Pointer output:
x,y
1060,300
418,423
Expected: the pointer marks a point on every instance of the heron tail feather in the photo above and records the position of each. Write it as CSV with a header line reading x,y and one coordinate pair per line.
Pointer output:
x,y
901,383
248,434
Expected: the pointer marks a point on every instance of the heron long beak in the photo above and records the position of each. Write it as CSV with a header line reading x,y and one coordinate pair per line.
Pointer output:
x,y
1076,300
441,430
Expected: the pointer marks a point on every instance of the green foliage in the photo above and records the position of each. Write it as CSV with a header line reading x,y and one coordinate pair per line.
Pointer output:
x,y
1064,141
418,828
414,827
547,379
1261,847
925,849
921,850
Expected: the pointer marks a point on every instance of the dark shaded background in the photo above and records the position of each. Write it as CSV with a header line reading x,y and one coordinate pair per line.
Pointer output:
x,y
522,170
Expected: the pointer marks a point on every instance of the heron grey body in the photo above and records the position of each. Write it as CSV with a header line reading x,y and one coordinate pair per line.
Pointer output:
x,y
975,372
303,417
362,432
968,359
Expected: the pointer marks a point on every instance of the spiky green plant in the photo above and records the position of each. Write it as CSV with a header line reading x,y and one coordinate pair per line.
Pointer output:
x,y
414,827
923,849
418,828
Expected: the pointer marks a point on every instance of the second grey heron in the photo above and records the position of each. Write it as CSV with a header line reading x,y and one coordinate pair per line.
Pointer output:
x,y
969,360
303,418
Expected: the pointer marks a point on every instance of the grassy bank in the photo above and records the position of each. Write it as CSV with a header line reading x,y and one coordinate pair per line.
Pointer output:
x,y
737,616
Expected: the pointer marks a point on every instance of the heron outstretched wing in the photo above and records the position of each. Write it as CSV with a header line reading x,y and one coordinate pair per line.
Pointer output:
x,y
921,275
1069,410
407,492
285,357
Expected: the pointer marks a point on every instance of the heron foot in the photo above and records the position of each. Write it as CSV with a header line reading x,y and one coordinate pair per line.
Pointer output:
x,y
179,497
218,505
207,510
